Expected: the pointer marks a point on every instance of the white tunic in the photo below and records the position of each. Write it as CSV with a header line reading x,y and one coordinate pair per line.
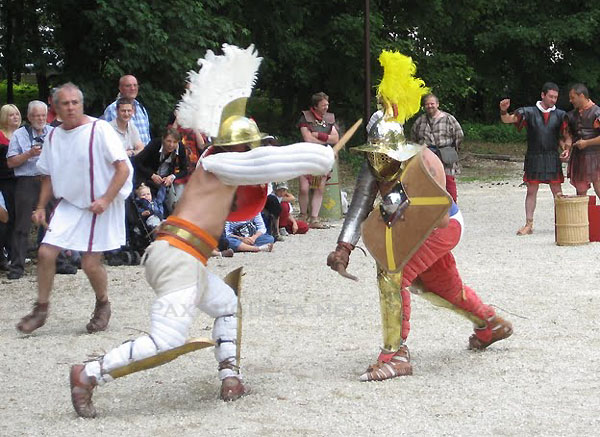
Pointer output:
x,y
81,169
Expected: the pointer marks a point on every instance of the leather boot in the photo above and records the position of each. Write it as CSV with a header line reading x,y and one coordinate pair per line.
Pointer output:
x,y
100,317
35,319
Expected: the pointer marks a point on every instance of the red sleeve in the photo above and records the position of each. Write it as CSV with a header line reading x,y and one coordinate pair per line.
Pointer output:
x,y
521,122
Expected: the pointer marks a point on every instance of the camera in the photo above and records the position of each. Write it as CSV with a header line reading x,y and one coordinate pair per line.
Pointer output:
x,y
38,142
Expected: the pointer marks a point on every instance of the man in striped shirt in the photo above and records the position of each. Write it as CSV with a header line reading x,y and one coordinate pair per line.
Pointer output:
x,y
128,87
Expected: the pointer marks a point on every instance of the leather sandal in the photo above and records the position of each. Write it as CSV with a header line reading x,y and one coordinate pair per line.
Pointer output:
x,y
316,223
389,365
232,388
527,229
81,394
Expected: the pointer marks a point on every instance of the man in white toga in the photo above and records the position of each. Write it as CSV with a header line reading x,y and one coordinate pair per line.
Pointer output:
x,y
85,166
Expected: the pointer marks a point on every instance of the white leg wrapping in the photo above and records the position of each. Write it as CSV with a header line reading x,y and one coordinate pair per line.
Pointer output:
x,y
171,317
182,284
219,301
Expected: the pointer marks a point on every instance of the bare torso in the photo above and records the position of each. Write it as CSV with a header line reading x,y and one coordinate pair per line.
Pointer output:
x,y
206,202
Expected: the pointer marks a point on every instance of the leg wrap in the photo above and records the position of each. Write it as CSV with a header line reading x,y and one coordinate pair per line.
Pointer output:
x,y
171,317
225,336
183,285
395,309
220,302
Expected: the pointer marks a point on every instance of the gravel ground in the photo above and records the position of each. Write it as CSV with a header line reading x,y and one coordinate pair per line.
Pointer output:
x,y
309,333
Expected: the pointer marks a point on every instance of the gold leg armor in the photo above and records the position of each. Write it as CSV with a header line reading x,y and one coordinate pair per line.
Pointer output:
x,y
390,299
419,288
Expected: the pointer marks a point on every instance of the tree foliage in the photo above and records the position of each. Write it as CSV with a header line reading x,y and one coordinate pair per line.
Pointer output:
x,y
471,52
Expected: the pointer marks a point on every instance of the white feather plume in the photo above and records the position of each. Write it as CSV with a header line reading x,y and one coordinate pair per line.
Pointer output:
x,y
220,80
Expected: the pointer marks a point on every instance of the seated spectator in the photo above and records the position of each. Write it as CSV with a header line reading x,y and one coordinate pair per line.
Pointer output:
x,y
223,250
271,213
125,128
287,223
151,211
249,236
161,163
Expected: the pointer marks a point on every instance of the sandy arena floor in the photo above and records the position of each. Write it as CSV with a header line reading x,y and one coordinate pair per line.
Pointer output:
x,y
309,333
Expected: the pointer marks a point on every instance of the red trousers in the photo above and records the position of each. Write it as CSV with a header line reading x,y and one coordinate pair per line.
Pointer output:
x,y
285,222
434,264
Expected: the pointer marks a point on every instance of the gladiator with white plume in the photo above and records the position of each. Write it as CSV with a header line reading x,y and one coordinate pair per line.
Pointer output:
x,y
229,183
409,224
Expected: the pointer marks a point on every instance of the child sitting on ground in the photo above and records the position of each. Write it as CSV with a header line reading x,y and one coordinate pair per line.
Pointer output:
x,y
151,211
287,223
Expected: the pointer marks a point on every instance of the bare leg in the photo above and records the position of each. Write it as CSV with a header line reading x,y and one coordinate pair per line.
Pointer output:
x,y
582,188
91,263
243,247
304,184
317,199
46,269
530,200
556,189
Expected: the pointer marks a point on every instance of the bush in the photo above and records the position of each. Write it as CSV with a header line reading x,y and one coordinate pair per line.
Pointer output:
x,y
24,93
494,133
353,159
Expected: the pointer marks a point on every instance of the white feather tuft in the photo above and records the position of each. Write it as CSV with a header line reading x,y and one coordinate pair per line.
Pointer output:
x,y
220,80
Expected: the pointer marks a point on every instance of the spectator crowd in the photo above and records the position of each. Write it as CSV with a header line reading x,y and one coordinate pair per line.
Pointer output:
x,y
161,166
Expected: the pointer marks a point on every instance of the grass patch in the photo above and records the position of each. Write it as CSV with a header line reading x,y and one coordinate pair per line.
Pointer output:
x,y
515,149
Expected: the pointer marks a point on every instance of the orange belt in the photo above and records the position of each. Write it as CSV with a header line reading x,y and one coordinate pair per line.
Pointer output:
x,y
188,237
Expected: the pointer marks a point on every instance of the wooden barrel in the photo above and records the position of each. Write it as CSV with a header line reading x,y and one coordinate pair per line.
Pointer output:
x,y
571,218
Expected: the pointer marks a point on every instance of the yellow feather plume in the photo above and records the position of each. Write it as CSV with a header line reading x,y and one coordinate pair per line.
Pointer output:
x,y
399,89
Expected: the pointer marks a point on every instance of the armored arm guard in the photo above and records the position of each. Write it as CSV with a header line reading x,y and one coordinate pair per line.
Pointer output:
x,y
360,207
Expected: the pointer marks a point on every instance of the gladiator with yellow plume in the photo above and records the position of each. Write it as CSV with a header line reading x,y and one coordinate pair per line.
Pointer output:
x,y
175,264
409,224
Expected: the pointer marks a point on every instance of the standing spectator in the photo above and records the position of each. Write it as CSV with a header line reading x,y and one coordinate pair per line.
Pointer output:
x,y
249,236
161,163
583,142
10,121
128,87
127,132
52,118
23,152
542,165
443,135
90,216
316,126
